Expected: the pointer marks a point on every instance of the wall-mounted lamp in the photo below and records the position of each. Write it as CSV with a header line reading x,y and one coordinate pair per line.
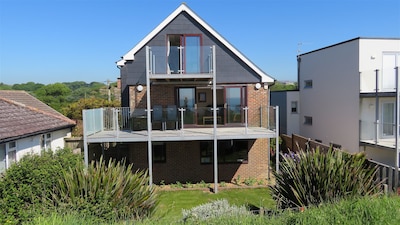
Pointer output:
x,y
265,86
258,86
139,88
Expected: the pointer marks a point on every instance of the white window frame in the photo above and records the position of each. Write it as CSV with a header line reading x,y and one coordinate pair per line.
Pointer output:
x,y
387,135
11,147
308,83
3,146
296,107
45,141
308,120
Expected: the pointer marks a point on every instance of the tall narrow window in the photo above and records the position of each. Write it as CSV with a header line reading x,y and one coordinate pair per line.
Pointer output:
x,y
293,106
187,100
159,152
2,157
389,62
11,153
388,112
235,100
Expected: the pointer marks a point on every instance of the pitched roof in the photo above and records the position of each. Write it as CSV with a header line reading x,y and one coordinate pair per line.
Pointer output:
x,y
130,55
22,115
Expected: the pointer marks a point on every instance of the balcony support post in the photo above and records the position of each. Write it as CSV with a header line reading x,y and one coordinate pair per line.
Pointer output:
x,y
245,119
214,84
397,126
376,106
149,125
277,137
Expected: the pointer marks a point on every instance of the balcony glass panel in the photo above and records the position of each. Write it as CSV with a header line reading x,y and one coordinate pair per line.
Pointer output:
x,y
135,119
191,59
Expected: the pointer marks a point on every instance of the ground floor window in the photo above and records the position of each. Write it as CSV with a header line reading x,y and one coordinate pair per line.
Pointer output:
x,y
45,141
159,152
229,151
2,158
8,155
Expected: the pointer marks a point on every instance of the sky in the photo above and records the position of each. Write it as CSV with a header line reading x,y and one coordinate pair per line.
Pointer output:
x,y
80,40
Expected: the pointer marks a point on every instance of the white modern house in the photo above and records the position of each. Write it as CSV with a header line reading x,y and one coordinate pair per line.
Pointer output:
x,y
28,126
348,95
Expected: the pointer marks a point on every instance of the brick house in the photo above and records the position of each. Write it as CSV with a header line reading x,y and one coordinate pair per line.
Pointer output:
x,y
27,126
186,91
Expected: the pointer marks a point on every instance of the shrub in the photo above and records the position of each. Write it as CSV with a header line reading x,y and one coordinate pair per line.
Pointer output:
x,y
218,208
27,184
108,191
314,177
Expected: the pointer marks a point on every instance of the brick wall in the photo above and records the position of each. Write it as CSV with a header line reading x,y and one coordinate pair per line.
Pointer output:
x,y
183,163
183,158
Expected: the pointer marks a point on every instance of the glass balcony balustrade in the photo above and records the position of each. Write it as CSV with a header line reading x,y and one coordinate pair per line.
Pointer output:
x,y
384,77
377,133
173,118
180,60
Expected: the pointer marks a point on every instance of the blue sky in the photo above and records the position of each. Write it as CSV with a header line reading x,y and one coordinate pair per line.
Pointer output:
x,y
80,40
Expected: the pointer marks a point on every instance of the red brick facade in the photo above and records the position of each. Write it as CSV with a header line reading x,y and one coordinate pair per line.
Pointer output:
x,y
183,158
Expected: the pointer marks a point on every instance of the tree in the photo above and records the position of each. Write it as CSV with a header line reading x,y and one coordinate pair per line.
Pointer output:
x,y
29,87
54,95
74,110
281,86
5,86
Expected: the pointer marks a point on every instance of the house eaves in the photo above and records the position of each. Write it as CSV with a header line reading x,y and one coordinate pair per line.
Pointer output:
x,y
130,55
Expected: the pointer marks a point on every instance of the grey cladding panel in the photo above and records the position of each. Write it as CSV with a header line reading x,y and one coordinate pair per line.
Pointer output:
x,y
230,69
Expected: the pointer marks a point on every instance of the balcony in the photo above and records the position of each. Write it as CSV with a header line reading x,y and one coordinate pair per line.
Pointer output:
x,y
381,134
178,62
170,123
385,78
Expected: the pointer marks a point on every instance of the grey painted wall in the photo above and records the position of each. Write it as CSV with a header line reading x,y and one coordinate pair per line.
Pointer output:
x,y
279,98
230,69
333,101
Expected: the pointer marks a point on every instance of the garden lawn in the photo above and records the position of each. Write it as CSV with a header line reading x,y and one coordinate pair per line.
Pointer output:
x,y
171,203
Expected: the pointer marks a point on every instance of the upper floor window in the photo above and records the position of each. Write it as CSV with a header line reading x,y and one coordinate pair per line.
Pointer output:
x,y
293,106
308,120
308,84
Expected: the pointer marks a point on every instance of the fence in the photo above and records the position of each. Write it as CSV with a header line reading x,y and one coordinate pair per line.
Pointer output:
x,y
385,173
388,176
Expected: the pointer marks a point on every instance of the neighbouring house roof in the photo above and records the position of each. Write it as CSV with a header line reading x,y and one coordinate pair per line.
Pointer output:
x,y
130,55
343,42
22,115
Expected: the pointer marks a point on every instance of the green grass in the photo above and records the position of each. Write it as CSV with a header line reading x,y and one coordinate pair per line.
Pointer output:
x,y
358,211
171,203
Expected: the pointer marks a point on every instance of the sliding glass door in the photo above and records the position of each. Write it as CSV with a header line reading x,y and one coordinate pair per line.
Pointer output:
x,y
388,119
187,100
184,53
234,97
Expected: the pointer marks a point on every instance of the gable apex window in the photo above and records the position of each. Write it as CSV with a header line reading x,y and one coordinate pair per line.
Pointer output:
x,y
184,53
308,84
